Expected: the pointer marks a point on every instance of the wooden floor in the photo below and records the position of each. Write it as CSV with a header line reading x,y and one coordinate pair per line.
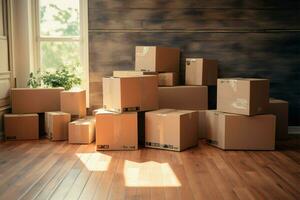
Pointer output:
x,y
57,170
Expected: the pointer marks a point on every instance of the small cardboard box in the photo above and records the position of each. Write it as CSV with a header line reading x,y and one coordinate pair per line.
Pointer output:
x,y
116,131
130,93
202,124
21,126
35,100
73,102
183,97
82,131
240,132
200,71
131,73
56,125
246,96
168,79
171,129
280,109
157,59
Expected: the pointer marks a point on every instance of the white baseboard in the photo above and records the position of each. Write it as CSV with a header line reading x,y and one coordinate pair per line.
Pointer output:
x,y
294,129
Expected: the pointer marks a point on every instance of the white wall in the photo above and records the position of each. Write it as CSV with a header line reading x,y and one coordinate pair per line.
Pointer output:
x,y
23,41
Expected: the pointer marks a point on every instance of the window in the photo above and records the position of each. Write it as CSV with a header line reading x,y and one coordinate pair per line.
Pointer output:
x,y
61,34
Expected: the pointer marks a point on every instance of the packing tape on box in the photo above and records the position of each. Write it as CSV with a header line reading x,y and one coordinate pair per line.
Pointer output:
x,y
240,103
233,85
188,61
142,51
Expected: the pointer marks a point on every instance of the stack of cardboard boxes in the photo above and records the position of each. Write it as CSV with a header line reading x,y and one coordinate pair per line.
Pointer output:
x,y
245,118
59,109
128,94
240,121
147,106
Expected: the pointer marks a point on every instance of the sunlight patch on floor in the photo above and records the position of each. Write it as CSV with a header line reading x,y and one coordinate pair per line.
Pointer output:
x,y
95,161
149,174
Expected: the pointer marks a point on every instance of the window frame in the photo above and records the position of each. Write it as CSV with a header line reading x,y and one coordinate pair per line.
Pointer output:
x,y
82,39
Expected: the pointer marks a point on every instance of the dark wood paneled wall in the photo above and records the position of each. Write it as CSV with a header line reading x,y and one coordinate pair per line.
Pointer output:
x,y
250,38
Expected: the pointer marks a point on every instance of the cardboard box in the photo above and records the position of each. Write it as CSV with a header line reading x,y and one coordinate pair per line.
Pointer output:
x,y
246,96
280,109
183,97
21,126
171,129
35,100
73,102
200,71
240,132
116,131
157,59
164,78
130,93
131,73
168,79
82,131
56,125
202,124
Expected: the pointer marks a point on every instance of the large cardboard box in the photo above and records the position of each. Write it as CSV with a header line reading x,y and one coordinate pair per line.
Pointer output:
x,y
82,131
130,93
56,125
157,59
183,97
35,100
246,96
168,79
131,73
171,129
73,102
280,109
200,71
21,126
240,132
116,131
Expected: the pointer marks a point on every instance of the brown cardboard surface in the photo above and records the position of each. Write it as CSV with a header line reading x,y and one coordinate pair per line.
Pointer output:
x,y
167,79
35,100
116,131
21,126
200,71
280,109
247,96
171,129
73,102
131,73
183,97
157,59
240,132
56,124
130,93
82,131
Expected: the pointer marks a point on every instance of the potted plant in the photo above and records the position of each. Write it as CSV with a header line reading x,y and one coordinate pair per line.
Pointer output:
x,y
62,77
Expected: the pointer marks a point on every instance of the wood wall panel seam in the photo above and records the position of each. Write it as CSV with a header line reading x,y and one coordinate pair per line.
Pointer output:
x,y
193,30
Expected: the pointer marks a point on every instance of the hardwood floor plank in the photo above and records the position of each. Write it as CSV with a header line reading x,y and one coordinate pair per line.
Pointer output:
x,y
30,173
68,181
38,186
11,174
95,185
51,186
58,170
